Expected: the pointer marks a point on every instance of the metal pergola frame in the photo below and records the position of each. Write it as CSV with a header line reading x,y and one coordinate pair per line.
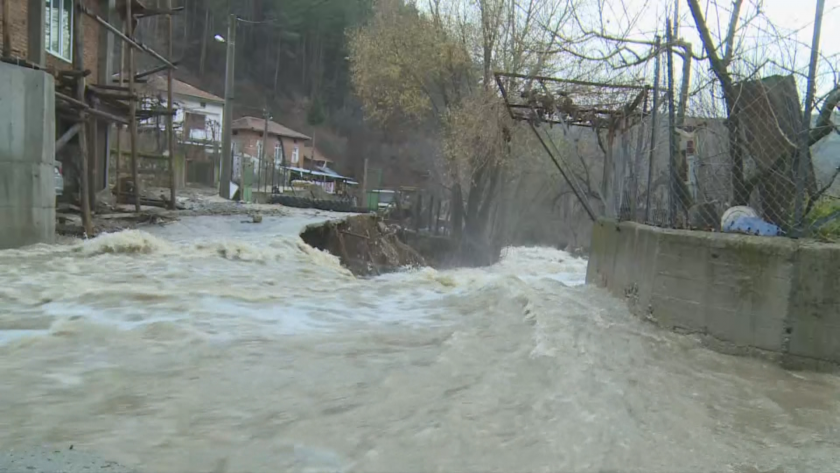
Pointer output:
x,y
596,116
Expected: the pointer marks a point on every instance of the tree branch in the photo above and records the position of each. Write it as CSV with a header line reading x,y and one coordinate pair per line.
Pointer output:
x,y
824,124
729,43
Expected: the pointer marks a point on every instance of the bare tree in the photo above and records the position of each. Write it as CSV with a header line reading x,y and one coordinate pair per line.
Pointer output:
x,y
763,120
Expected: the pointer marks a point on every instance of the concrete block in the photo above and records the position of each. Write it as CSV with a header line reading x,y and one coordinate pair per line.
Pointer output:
x,y
732,324
814,306
676,313
688,289
746,291
648,248
597,254
816,288
27,157
815,339
605,237
626,261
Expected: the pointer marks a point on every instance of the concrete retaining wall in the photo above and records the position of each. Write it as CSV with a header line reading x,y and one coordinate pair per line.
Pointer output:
x,y
27,157
774,296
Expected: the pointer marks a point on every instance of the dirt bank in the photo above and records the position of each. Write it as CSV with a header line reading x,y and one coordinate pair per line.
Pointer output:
x,y
365,245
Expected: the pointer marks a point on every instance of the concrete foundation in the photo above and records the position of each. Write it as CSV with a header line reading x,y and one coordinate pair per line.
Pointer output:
x,y
27,156
771,296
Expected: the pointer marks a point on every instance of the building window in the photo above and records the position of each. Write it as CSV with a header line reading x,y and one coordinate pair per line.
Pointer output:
x,y
295,155
59,30
277,152
195,121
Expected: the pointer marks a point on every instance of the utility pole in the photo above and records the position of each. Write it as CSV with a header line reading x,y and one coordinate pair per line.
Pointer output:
x,y
364,185
170,117
312,161
227,150
266,118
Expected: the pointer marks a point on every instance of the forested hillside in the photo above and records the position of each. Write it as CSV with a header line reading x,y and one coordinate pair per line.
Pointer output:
x,y
292,56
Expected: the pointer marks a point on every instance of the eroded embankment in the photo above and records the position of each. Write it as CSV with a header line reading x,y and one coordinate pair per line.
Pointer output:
x,y
364,244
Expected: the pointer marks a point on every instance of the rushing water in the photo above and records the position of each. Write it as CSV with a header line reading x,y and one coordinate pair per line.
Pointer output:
x,y
216,346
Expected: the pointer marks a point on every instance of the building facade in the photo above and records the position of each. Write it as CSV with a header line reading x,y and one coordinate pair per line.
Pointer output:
x,y
197,125
41,34
284,145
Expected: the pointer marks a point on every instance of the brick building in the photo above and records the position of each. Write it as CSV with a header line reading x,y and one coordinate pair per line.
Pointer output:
x,y
41,36
284,144
41,32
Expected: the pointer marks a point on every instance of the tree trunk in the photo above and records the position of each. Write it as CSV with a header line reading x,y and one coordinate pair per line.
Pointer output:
x,y
769,115
457,212
277,69
185,18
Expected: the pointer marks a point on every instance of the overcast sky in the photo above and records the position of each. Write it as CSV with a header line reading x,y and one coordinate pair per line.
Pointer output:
x,y
793,18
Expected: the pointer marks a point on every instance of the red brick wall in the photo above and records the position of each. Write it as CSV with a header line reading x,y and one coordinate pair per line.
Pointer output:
x,y
247,142
18,21
17,24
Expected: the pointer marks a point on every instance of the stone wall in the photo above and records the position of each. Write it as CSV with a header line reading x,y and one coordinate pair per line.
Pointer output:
x,y
771,296
27,157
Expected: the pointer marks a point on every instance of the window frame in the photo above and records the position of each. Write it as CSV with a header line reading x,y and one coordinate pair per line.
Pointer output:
x,y
66,56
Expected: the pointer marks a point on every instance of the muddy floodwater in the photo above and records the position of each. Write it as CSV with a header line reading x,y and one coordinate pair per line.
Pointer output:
x,y
213,345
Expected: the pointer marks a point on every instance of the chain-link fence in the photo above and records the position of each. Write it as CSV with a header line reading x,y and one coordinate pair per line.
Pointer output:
x,y
746,167
735,155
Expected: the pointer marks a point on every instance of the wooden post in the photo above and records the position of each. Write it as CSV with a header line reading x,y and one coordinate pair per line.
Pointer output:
x,y
117,162
437,219
418,209
364,201
431,210
7,33
170,134
266,118
93,161
78,64
132,108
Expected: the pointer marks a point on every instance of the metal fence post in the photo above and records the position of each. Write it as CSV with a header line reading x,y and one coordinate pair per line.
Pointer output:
x,y
804,148
673,148
653,124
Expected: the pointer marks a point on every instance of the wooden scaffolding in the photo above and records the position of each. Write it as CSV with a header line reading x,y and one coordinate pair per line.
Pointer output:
x,y
116,102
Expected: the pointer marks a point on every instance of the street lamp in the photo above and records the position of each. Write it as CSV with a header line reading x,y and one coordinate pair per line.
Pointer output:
x,y
227,121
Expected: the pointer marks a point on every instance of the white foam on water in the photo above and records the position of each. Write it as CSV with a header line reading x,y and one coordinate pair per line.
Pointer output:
x,y
212,342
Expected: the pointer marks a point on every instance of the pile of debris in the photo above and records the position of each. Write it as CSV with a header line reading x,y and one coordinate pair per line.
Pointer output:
x,y
365,245
107,217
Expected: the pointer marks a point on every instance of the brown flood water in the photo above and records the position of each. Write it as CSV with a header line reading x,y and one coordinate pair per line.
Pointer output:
x,y
215,346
